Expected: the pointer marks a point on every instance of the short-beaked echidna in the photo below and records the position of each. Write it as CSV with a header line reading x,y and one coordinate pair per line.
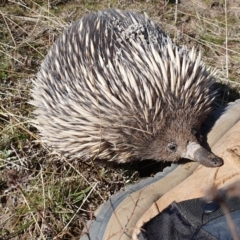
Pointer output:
x,y
114,86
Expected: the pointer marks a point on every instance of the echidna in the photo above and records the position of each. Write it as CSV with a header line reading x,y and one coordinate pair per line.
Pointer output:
x,y
115,87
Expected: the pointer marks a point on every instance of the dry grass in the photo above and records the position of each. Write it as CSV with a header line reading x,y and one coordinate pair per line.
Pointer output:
x,y
43,196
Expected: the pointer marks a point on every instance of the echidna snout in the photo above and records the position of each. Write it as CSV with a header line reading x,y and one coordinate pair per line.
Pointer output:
x,y
199,154
115,87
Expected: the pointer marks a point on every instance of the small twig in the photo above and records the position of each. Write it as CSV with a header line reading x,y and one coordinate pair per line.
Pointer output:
x,y
176,12
226,38
11,57
175,19
85,199
17,123
26,201
51,19
85,179
8,28
226,49
43,190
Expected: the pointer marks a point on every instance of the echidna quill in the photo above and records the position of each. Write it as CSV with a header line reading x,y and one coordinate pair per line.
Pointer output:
x,y
115,87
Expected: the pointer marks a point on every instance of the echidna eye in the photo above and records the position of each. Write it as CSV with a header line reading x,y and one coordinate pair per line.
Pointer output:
x,y
172,147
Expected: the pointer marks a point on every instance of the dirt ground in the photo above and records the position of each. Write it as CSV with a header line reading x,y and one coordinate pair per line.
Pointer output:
x,y
42,195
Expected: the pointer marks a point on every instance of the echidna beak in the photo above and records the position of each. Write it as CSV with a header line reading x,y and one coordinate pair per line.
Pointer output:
x,y
199,154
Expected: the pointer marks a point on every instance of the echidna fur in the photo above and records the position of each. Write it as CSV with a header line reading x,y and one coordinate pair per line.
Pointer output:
x,y
114,86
